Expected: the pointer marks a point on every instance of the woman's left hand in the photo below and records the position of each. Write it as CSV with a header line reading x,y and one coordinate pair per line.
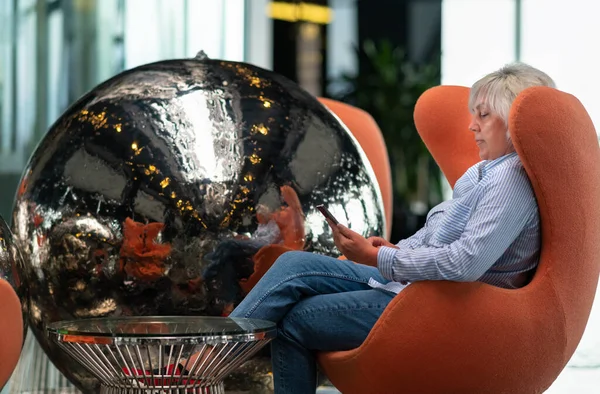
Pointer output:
x,y
353,245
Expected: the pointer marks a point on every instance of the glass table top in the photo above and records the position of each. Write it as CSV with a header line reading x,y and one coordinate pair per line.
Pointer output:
x,y
152,326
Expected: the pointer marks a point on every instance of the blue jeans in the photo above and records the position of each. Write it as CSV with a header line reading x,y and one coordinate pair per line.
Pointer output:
x,y
319,304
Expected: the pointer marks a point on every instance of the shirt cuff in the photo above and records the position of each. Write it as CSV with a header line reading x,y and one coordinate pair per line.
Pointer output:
x,y
385,261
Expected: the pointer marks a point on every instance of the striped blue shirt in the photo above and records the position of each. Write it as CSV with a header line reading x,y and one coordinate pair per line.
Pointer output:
x,y
489,231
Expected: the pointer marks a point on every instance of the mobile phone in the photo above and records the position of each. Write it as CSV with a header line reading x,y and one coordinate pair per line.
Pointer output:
x,y
327,214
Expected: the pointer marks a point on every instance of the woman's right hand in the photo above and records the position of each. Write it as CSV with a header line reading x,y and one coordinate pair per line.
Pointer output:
x,y
378,241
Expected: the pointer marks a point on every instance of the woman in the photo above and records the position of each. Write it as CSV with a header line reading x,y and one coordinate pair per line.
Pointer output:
x,y
489,231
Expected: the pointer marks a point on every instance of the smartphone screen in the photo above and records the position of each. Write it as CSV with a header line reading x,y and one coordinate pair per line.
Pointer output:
x,y
327,214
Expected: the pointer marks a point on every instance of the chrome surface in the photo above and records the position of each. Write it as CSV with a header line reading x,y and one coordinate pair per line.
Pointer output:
x,y
158,192
162,355
11,268
194,329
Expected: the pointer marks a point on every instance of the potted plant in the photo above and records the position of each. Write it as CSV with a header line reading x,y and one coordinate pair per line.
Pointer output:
x,y
388,89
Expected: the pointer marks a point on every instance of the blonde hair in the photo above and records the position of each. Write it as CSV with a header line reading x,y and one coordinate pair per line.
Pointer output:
x,y
499,89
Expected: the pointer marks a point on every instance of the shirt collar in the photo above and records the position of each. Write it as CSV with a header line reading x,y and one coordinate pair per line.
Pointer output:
x,y
487,165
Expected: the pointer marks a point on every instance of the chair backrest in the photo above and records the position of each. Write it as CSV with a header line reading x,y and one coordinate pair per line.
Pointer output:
x,y
557,143
11,329
364,128
556,140
442,118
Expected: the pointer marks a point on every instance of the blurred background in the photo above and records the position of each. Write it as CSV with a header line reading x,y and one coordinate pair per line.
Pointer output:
x,y
379,55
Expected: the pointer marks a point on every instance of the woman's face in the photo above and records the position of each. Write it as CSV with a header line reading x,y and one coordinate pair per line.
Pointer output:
x,y
490,133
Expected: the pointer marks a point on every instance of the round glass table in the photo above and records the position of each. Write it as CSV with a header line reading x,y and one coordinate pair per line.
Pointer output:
x,y
183,354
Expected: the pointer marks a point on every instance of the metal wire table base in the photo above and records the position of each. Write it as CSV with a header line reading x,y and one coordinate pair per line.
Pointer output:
x,y
147,367
162,355
215,389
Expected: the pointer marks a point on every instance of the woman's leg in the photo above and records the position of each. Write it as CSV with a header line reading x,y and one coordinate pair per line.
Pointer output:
x,y
297,275
310,290
327,322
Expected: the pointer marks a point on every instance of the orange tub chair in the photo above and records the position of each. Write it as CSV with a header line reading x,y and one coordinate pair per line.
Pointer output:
x,y
448,337
369,137
11,329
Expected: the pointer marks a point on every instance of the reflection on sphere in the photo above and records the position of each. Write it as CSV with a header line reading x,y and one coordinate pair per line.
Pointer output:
x,y
168,190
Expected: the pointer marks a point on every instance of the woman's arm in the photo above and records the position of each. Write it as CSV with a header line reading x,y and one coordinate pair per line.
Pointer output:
x,y
498,218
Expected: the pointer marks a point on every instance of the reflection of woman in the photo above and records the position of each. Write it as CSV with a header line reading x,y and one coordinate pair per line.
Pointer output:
x,y
488,232
247,259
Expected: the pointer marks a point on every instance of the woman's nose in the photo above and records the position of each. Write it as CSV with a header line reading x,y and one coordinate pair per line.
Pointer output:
x,y
473,126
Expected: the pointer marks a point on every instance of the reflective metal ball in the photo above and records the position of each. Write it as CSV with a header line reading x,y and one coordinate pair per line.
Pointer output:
x,y
11,267
164,190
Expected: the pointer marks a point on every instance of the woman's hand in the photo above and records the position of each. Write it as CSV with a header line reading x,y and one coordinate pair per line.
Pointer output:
x,y
353,245
378,241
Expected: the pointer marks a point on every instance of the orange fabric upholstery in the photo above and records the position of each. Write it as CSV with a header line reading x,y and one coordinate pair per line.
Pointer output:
x,y
367,133
447,337
445,132
11,329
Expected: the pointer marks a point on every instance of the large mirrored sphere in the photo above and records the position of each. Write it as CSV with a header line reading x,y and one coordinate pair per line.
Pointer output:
x,y
11,267
170,189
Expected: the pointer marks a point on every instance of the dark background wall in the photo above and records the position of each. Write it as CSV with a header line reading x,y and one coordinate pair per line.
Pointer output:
x,y
414,25
411,24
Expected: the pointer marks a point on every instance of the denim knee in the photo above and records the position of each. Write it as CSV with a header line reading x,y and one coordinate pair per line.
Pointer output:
x,y
288,261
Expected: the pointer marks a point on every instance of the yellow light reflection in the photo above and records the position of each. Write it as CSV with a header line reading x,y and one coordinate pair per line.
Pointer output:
x,y
255,82
96,120
165,182
266,102
259,128
195,215
136,149
151,170
254,158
